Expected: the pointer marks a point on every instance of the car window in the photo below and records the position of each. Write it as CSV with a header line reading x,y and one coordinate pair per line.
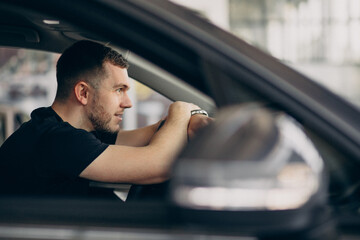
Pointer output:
x,y
28,81
149,107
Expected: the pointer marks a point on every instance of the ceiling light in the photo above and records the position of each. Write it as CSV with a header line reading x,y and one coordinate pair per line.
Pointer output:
x,y
51,22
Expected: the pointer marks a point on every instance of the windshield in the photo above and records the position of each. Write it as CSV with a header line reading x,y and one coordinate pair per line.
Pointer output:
x,y
320,39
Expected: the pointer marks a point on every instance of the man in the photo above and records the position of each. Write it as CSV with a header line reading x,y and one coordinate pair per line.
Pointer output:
x,y
78,138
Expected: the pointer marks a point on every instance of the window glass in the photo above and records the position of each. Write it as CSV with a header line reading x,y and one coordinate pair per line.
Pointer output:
x,y
28,81
148,107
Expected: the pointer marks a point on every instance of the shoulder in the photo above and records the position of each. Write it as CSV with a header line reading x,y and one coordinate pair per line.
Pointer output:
x,y
67,134
50,125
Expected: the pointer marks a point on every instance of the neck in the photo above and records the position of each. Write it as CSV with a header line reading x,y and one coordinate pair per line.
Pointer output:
x,y
73,114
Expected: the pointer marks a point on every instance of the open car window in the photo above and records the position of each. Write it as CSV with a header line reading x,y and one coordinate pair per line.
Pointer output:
x,y
28,81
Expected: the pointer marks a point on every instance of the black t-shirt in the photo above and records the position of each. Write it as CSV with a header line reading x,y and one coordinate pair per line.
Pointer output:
x,y
46,155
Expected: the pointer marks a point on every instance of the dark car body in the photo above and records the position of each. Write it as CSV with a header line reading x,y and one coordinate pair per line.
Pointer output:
x,y
217,64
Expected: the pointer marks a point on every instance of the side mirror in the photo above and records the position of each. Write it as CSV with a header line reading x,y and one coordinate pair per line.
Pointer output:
x,y
255,172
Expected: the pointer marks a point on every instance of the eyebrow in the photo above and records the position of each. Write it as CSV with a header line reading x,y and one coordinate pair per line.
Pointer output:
x,y
121,85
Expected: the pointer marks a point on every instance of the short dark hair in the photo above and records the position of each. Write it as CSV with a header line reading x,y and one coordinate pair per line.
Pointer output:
x,y
84,60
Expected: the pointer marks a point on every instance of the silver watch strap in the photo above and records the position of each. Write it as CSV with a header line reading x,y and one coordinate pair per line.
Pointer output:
x,y
199,111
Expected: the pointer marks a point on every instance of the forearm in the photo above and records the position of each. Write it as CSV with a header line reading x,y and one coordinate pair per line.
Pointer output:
x,y
157,157
147,164
171,138
137,138
140,165
163,148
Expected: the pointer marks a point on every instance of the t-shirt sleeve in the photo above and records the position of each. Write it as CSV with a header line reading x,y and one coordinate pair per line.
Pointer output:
x,y
72,150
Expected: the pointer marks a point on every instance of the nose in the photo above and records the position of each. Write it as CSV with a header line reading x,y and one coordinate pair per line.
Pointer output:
x,y
126,101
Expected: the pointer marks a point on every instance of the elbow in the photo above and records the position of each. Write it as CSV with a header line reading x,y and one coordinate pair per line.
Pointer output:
x,y
161,175
164,172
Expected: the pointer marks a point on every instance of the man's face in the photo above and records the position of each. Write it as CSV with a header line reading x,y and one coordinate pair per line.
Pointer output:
x,y
109,101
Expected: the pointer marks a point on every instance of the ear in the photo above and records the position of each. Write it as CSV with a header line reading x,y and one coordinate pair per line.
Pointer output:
x,y
82,92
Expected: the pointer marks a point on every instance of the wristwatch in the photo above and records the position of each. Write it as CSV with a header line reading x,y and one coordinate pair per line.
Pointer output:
x,y
199,111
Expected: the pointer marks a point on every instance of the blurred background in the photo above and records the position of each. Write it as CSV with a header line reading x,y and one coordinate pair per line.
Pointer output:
x,y
320,38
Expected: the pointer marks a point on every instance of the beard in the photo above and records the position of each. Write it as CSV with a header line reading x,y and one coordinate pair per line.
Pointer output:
x,y
101,119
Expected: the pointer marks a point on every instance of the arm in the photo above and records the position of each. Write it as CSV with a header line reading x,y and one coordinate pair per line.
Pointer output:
x,y
148,164
137,138
142,136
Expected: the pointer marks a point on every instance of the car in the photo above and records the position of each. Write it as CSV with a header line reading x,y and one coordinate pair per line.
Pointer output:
x,y
280,162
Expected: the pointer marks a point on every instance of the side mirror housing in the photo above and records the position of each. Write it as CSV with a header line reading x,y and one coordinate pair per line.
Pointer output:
x,y
256,172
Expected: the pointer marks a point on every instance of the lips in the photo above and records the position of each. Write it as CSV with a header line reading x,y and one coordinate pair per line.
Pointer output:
x,y
119,116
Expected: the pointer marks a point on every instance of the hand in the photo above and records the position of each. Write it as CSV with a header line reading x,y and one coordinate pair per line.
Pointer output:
x,y
181,110
197,122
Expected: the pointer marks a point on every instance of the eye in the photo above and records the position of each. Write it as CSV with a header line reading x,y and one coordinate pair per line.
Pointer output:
x,y
119,90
